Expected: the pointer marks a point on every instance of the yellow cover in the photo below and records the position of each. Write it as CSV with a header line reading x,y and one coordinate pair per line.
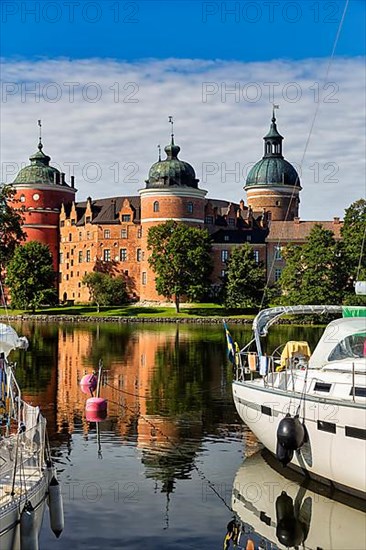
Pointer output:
x,y
292,349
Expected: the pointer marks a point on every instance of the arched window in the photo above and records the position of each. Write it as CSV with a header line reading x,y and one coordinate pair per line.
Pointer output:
x,y
156,206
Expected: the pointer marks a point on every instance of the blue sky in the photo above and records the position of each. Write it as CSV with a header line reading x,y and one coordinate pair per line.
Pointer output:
x,y
140,62
245,31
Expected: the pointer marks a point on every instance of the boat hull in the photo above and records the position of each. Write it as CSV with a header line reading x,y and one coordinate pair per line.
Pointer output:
x,y
335,449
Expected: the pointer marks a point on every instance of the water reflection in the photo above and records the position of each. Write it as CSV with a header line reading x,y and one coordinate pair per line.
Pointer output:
x,y
285,512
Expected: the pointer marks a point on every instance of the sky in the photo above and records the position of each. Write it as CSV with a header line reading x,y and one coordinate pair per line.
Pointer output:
x,y
105,76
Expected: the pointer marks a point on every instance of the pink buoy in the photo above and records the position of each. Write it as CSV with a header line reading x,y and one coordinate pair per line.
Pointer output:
x,y
88,383
96,409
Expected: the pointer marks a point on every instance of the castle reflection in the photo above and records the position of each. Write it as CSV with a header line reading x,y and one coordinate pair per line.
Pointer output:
x,y
166,386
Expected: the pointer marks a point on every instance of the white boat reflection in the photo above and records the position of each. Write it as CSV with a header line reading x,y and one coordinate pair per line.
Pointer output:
x,y
286,512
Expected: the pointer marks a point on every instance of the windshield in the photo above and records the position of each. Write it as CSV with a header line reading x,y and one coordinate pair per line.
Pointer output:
x,y
353,346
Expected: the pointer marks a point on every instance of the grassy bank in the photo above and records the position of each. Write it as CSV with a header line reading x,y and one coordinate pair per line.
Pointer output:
x,y
166,311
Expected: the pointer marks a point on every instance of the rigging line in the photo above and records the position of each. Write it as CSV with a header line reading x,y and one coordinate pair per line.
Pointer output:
x,y
361,254
182,454
201,392
3,300
330,61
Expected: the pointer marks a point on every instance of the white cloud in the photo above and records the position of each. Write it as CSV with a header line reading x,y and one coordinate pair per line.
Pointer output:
x,y
223,133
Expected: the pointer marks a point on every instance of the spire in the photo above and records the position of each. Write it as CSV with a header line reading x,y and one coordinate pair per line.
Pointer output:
x,y
172,150
39,156
273,140
159,149
40,146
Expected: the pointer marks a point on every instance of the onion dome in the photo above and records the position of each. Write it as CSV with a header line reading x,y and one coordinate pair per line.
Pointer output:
x,y
39,171
273,169
171,172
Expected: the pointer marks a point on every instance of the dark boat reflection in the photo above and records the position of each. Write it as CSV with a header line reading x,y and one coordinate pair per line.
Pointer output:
x,y
277,512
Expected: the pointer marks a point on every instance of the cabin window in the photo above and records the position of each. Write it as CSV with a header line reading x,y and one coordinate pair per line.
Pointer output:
x,y
351,347
358,391
322,386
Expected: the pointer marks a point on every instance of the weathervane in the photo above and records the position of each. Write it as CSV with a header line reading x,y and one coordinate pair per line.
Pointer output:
x,y
172,123
273,111
40,133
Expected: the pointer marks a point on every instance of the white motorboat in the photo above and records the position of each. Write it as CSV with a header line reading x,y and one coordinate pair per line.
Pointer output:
x,y
309,409
27,477
277,512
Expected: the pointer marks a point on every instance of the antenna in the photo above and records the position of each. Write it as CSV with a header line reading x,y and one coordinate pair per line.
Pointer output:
x,y
159,149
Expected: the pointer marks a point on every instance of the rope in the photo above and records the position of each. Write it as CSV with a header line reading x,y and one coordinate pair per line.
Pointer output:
x,y
330,61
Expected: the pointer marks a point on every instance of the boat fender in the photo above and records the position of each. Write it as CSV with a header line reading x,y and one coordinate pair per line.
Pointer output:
x,y
290,433
289,530
56,507
283,455
88,383
28,528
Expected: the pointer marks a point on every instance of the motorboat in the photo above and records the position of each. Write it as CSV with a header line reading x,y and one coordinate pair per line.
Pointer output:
x,y
308,407
27,476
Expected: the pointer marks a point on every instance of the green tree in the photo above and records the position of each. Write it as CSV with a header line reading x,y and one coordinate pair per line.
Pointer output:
x,y
353,249
245,279
30,276
105,290
181,260
312,274
11,232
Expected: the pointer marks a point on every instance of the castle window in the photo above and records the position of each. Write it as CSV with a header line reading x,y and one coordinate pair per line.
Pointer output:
x,y
106,255
278,252
231,221
278,274
73,222
278,203
139,233
190,208
107,234
156,206
224,256
124,233
87,259
223,273
88,235
80,257
144,278
22,198
123,254
72,263
61,258
80,235
126,217
62,224
138,255
87,219
36,197
72,252
256,255
226,238
209,219
249,238
70,237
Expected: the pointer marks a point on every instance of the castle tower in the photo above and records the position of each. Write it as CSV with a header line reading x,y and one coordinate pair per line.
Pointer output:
x,y
273,183
41,189
171,193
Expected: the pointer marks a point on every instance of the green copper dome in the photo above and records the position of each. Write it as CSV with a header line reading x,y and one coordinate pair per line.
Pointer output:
x,y
39,171
171,172
273,169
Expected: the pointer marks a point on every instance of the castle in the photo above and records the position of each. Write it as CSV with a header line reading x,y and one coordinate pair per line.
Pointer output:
x,y
110,234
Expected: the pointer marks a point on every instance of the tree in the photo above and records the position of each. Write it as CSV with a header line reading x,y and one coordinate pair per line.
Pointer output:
x,y
353,249
105,290
181,260
246,278
312,274
11,232
30,276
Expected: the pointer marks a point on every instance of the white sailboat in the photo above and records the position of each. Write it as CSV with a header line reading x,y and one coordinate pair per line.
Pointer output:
x,y
27,479
309,409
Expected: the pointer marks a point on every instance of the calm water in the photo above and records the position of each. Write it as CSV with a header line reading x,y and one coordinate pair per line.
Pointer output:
x,y
159,471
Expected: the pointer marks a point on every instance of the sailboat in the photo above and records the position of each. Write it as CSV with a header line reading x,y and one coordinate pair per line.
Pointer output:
x,y
27,477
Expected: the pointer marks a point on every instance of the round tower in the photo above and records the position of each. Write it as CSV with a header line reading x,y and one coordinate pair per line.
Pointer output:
x,y
171,193
41,189
273,183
